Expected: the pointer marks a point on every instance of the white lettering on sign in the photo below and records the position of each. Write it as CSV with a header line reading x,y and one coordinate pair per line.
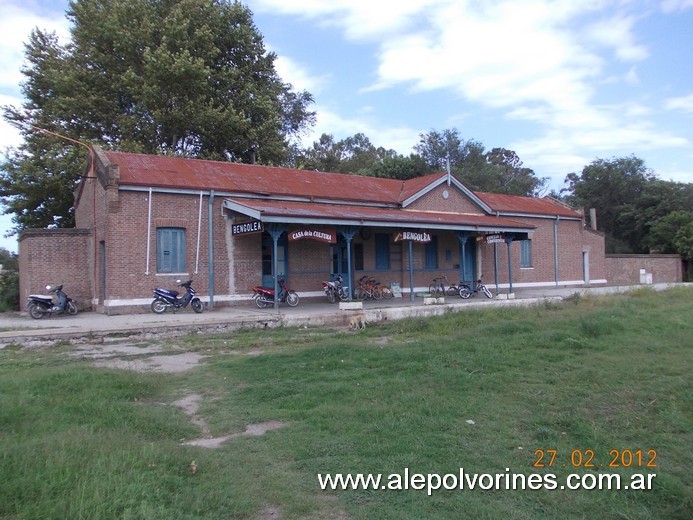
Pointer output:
x,y
314,234
495,239
244,228
414,236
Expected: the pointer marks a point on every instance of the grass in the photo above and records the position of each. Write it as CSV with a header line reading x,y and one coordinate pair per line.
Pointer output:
x,y
601,374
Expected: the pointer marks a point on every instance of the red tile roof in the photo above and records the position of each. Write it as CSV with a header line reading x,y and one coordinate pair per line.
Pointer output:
x,y
196,174
175,172
526,205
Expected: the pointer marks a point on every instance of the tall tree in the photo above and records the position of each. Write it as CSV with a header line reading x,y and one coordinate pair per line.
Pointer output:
x,y
184,77
355,154
614,188
499,171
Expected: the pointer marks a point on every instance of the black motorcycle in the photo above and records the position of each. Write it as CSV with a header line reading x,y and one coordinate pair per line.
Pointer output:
x,y
165,299
40,305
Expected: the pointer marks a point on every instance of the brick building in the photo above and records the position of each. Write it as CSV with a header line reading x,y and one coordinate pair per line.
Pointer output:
x,y
144,221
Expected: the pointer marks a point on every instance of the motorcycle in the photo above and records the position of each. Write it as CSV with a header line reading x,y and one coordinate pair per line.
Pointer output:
x,y
264,296
39,305
336,289
165,299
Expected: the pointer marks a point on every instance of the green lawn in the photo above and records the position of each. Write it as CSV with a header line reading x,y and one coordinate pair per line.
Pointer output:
x,y
587,375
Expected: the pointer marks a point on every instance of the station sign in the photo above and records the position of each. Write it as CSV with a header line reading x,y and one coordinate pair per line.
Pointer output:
x,y
247,228
414,236
321,235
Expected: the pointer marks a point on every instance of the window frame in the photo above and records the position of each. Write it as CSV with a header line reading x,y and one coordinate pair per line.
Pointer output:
x,y
177,251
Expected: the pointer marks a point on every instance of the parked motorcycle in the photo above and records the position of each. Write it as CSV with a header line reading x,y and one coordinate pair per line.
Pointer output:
x,y
40,305
165,299
336,290
264,296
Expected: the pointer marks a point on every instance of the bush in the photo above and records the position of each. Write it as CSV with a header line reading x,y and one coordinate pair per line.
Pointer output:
x,y
9,291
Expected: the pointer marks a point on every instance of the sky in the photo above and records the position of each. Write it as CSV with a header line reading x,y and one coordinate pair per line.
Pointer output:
x,y
560,82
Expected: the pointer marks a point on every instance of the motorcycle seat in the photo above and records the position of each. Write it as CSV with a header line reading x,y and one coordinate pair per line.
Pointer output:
x,y
41,297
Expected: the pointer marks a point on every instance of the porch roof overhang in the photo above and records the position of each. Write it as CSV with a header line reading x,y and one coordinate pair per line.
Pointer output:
x,y
290,212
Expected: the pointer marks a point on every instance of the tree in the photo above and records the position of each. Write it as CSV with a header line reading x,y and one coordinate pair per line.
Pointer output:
x,y
354,154
514,177
613,187
498,171
183,77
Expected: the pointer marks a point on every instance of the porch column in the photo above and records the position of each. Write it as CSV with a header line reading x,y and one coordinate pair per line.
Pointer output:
x,y
411,272
495,265
463,237
348,233
509,240
275,231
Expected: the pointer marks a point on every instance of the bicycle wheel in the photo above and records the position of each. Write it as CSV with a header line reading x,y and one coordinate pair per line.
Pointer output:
x,y
378,292
452,290
433,290
387,293
465,292
486,292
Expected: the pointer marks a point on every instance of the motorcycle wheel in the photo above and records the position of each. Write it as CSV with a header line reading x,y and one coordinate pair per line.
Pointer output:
x,y
292,299
197,306
330,296
261,304
158,306
35,311
71,308
343,295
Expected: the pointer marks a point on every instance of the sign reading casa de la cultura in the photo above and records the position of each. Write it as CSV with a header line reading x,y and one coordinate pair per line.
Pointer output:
x,y
322,235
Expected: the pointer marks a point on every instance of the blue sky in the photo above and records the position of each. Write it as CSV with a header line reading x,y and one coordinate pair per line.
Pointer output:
x,y
561,82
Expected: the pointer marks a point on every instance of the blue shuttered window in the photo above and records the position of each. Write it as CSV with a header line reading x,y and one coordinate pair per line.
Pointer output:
x,y
382,251
170,250
431,253
525,253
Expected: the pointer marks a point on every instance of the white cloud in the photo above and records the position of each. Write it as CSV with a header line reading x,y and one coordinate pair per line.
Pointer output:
x,y
299,76
16,24
670,6
684,104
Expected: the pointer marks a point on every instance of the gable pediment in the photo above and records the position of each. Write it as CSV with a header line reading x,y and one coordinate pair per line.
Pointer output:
x,y
446,195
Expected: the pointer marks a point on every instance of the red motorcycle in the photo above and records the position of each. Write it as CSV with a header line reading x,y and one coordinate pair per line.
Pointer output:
x,y
264,296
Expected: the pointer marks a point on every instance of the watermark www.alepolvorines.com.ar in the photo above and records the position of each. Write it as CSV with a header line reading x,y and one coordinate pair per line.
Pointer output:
x,y
461,481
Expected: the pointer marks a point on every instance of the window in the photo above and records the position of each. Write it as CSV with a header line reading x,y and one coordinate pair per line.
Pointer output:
x,y
170,250
431,254
382,251
525,253
358,257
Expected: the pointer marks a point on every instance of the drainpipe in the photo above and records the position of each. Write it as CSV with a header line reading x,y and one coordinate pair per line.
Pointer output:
x,y
211,250
555,247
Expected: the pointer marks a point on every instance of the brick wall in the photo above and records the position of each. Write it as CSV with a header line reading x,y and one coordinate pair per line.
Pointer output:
x,y
625,269
54,257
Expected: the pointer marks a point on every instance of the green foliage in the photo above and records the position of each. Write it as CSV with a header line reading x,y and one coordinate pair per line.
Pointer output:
x,y
184,77
497,171
9,291
673,233
351,155
630,200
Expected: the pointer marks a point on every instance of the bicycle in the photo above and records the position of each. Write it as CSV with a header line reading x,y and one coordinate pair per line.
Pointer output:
x,y
466,291
437,288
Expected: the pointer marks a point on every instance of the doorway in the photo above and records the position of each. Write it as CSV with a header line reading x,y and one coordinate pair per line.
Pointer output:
x,y
267,260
